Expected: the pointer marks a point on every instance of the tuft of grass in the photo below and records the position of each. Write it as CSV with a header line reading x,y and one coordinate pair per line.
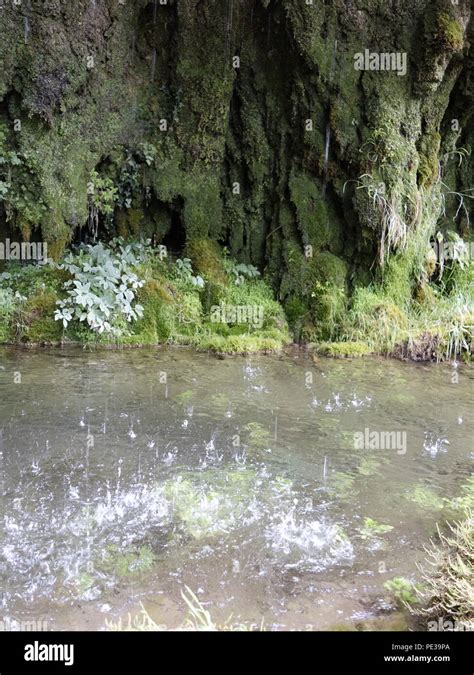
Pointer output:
x,y
448,575
199,619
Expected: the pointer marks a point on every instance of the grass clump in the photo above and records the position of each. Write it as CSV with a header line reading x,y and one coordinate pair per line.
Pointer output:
x,y
422,321
448,576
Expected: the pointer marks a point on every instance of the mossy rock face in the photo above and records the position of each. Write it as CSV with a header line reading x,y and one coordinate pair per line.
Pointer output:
x,y
326,280
206,257
37,319
267,157
130,223
312,214
428,169
450,32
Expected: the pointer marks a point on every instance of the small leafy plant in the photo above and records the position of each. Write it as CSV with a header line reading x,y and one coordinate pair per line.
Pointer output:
x,y
239,271
403,590
102,198
102,288
184,269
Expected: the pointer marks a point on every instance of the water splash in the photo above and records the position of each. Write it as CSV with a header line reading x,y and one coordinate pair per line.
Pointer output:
x,y
309,543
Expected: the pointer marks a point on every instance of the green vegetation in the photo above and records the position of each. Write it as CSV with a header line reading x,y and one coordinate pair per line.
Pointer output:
x,y
336,222
343,350
372,528
448,576
425,497
205,506
450,31
259,438
419,321
465,502
128,293
403,590
342,485
198,619
126,563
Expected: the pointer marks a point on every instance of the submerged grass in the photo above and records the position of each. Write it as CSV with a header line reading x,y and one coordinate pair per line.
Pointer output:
x,y
199,619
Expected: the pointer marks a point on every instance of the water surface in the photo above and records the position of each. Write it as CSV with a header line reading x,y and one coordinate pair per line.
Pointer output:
x,y
126,476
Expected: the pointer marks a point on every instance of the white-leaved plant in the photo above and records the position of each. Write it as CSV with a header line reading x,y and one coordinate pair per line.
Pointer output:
x,y
102,289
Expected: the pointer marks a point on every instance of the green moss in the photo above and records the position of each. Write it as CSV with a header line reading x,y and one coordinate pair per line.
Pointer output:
x,y
371,528
233,344
450,31
311,212
131,562
36,318
425,497
207,260
428,169
342,485
370,466
205,508
403,590
465,502
158,322
344,349
244,125
203,207
258,438
325,280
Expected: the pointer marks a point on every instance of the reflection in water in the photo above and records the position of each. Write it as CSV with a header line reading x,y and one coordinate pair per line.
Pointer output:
x,y
127,475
